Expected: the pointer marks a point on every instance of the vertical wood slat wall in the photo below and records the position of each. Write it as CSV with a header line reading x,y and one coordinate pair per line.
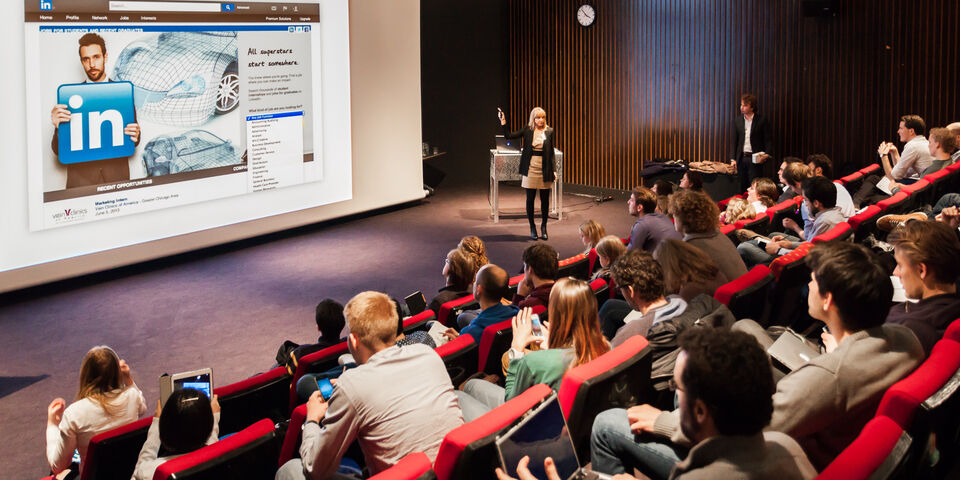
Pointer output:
x,y
661,79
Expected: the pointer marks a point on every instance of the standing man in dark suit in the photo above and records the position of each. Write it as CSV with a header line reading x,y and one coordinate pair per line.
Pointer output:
x,y
752,141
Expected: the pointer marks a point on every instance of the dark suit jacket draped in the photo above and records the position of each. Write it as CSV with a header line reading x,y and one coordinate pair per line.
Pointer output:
x,y
527,152
759,136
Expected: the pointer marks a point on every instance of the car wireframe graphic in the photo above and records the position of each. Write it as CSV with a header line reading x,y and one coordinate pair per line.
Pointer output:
x,y
181,78
188,151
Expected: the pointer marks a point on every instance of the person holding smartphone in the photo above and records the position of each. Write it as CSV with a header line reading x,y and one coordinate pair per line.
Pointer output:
x,y
571,338
536,164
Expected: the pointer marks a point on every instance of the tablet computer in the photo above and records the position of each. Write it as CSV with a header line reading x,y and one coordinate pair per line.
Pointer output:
x,y
201,379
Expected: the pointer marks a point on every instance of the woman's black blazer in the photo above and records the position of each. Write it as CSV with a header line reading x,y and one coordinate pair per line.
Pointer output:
x,y
527,152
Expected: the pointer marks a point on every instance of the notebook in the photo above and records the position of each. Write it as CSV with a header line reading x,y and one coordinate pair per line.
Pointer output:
x,y
793,350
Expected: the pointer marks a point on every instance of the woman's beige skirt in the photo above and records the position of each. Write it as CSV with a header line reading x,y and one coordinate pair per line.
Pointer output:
x,y
534,176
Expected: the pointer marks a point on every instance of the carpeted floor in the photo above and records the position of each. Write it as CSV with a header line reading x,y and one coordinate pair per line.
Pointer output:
x,y
231,307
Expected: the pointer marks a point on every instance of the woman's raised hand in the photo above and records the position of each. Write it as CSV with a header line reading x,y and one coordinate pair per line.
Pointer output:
x,y
523,329
502,117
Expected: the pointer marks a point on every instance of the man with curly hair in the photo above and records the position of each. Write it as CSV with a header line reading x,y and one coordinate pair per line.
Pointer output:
x,y
696,217
640,280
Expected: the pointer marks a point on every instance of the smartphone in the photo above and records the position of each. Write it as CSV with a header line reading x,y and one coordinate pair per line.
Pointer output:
x,y
325,388
763,243
535,320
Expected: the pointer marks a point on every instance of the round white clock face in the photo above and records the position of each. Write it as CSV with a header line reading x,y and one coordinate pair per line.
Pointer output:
x,y
586,15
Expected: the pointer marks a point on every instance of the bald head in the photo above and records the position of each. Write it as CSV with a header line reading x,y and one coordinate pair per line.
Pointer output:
x,y
491,283
955,130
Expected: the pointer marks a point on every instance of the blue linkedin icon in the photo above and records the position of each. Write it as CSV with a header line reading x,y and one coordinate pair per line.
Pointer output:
x,y
98,114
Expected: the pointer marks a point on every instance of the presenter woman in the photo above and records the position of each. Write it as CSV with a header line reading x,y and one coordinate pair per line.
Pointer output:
x,y
536,165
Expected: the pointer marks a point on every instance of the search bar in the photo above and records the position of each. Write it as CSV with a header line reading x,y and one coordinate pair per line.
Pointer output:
x,y
142,6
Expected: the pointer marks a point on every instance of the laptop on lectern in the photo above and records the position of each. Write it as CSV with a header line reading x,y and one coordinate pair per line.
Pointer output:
x,y
505,145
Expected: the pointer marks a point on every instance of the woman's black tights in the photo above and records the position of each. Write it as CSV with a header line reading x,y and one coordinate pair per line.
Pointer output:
x,y
544,206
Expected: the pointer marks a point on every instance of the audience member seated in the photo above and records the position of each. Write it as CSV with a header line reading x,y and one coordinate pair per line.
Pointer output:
x,y
788,191
687,271
737,209
819,196
489,288
330,322
641,282
762,194
907,167
928,264
590,234
571,338
540,265
826,402
955,130
820,165
609,249
695,217
475,249
458,271
106,399
652,226
188,421
723,389
692,181
389,418
663,189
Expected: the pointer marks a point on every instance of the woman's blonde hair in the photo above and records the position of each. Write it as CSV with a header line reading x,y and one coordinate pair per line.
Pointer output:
x,y
533,116
574,321
474,247
611,247
593,230
738,209
100,378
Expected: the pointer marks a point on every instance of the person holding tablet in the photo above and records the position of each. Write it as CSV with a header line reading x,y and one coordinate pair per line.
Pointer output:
x,y
536,164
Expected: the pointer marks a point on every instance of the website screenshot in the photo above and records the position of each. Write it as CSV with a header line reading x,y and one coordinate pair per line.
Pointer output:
x,y
136,106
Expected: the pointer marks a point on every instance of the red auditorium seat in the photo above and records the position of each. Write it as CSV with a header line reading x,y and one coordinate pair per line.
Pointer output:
x,y
316,362
601,290
730,230
941,181
877,453
249,453
626,240
576,267
460,357
865,222
746,296
870,169
841,231
898,203
618,378
113,454
786,209
290,448
760,224
494,342
512,284
953,331
593,261
723,203
415,466
920,193
468,452
791,274
244,402
418,320
449,311
852,182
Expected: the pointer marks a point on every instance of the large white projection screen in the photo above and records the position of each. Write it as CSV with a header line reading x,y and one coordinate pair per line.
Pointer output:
x,y
380,116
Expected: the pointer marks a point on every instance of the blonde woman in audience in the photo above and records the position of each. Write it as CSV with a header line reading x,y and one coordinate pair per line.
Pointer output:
x,y
737,209
571,338
687,271
609,250
107,398
590,234
475,248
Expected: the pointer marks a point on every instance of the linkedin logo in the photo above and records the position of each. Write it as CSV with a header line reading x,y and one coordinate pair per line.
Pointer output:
x,y
46,5
98,114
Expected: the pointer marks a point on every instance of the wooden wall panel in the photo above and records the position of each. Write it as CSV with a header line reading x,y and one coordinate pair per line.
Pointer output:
x,y
661,79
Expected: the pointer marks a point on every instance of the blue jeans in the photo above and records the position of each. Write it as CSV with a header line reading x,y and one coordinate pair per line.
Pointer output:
x,y
948,200
753,255
614,448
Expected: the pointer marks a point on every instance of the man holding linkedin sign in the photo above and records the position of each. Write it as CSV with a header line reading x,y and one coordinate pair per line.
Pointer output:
x,y
96,128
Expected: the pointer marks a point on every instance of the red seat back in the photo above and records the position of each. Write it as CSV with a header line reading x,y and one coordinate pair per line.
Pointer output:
x,y
618,378
113,454
249,453
243,403
576,267
746,295
494,342
791,274
601,290
864,222
449,311
418,320
875,453
786,209
902,399
870,169
315,362
723,203
841,231
895,204
415,466
593,260
291,440
953,331
468,451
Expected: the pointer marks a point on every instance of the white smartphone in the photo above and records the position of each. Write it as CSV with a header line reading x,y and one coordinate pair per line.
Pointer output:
x,y
535,321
